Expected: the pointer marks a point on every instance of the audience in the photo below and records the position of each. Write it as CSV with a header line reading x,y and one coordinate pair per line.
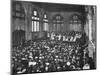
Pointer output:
x,y
48,56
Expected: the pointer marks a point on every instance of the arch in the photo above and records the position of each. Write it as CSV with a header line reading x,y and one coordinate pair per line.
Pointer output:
x,y
57,17
75,16
45,22
75,22
57,23
35,20
35,12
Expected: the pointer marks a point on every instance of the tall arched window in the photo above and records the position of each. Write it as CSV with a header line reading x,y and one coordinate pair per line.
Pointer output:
x,y
45,23
57,22
75,22
35,21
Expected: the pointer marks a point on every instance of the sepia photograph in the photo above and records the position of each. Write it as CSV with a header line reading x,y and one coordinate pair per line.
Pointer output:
x,y
52,37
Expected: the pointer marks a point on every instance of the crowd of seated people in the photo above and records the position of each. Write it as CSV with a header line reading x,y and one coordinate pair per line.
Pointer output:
x,y
48,56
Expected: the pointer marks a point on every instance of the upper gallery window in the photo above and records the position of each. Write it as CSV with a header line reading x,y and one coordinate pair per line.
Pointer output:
x,y
75,22
35,21
75,19
57,22
45,23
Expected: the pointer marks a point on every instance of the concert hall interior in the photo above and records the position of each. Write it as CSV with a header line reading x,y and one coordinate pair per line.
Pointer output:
x,y
52,37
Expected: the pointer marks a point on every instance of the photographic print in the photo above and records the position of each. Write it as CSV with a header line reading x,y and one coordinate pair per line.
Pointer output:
x,y
52,37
